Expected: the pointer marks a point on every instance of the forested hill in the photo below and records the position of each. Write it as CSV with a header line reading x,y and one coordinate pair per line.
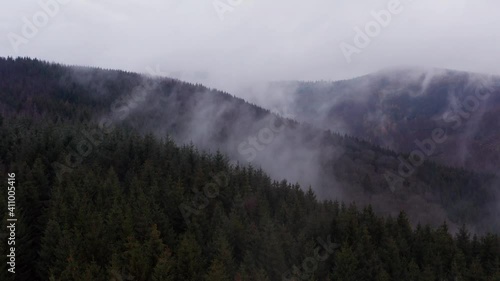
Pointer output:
x,y
138,208
336,167
395,107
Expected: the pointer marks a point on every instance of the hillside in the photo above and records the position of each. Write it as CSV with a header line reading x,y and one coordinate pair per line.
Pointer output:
x,y
105,193
335,166
395,108
143,209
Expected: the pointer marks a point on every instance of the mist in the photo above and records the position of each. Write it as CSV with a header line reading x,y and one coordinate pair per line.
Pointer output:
x,y
247,135
226,139
244,42
247,49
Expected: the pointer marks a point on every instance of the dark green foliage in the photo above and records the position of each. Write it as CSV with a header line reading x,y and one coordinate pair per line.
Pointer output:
x,y
110,220
136,207
60,95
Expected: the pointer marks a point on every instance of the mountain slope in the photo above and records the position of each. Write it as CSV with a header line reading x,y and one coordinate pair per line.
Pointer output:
x,y
335,166
139,208
398,107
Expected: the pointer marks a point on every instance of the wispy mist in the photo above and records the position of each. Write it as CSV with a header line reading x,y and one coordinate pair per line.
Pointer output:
x,y
257,41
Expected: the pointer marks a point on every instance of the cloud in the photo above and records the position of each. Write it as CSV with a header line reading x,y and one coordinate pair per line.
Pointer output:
x,y
259,41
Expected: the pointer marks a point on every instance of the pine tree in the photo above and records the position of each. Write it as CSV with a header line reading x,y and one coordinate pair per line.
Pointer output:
x,y
136,260
413,271
346,265
189,263
476,271
164,268
217,272
50,242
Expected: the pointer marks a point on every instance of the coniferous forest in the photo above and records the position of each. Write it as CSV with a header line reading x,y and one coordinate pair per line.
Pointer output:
x,y
126,204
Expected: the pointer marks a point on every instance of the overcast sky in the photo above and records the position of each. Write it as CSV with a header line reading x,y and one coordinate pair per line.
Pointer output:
x,y
256,40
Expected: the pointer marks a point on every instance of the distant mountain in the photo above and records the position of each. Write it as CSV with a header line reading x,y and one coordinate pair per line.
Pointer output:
x,y
397,108
335,165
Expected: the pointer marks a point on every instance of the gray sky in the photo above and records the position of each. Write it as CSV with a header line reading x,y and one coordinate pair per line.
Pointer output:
x,y
256,40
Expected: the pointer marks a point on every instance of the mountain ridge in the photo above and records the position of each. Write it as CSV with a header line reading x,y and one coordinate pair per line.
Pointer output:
x,y
393,109
335,166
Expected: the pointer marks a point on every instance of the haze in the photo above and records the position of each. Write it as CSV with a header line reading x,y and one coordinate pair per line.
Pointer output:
x,y
256,40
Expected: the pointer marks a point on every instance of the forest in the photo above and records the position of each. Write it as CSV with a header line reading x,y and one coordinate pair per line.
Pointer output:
x,y
134,205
